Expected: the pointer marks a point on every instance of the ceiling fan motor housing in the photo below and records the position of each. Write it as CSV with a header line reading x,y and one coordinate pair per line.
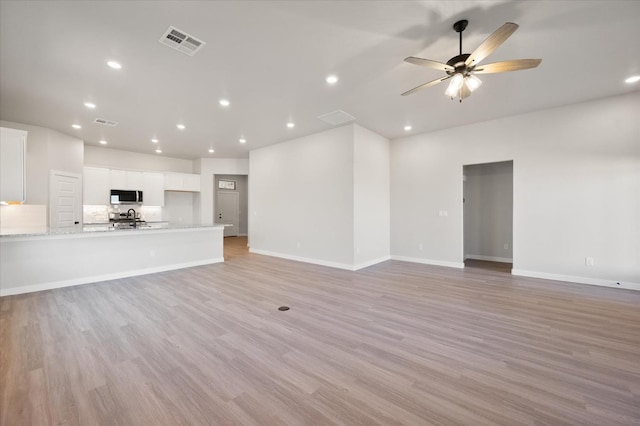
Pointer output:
x,y
458,63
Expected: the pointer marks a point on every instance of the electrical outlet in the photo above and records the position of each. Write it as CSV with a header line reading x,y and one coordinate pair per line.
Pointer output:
x,y
588,261
443,213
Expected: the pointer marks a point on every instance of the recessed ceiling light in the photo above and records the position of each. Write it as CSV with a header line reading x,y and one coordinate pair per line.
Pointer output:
x,y
103,142
158,151
242,140
90,105
76,126
211,151
291,125
407,128
331,79
115,65
181,126
224,102
154,140
633,79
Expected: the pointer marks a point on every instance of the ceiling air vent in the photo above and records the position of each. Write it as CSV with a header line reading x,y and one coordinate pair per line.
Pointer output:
x,y
181,41
336,117
105,122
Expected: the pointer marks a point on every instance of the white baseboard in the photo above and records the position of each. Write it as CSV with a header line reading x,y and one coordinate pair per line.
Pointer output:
x,y
578,280
321,262
429,261
371,263
303,259
489,258
104,277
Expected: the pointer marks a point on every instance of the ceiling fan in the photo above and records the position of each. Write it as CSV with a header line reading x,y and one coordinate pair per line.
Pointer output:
x,y
461,69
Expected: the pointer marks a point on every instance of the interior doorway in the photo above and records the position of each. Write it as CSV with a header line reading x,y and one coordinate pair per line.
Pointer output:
x,y
488,215
228,212
65,201
230,203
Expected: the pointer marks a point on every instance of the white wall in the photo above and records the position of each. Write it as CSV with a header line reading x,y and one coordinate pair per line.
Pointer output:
x,y
301,198
576,190
106,157
488,211
371,208
208,167
47,150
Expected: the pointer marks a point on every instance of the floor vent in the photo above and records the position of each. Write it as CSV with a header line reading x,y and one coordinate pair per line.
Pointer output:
x,y
283,308
336,117
181,41
105,122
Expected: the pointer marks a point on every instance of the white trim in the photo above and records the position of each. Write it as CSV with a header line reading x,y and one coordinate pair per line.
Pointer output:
x,y
371,263
489,258
458,265
104,277
303,259
579,280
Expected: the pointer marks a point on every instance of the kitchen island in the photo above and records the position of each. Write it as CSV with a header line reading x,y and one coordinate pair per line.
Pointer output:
x,y
42,261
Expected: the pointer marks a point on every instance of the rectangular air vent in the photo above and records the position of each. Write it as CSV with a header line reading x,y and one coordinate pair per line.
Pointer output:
x,y
181,41
105,122
336,117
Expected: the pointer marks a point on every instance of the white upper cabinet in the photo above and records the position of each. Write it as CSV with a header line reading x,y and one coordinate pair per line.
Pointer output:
x,y
13,150
153,189
96,186
182,182
118,179
126,179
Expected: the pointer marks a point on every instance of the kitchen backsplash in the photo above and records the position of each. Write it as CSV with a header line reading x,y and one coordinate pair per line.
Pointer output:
x,y
95,214
100,214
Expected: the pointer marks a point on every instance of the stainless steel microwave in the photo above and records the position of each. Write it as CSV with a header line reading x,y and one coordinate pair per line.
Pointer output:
x,y
123,196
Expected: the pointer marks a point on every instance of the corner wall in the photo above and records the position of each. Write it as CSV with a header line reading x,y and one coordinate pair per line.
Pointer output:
x,y
371,209
301,198
576,190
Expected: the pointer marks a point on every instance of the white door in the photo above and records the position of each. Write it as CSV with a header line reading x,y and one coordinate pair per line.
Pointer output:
x,y
228,212
65,201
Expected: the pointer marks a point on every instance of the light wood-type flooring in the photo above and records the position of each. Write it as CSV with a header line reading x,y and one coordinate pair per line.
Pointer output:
x,y
396,343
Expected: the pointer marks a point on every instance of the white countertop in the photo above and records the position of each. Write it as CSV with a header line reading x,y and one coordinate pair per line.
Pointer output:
x,y
105,229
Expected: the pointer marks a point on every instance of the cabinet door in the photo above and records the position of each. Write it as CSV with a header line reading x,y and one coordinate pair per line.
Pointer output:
x,y
153,189
135,181
118,179
191,182
96,186
173,181
13,145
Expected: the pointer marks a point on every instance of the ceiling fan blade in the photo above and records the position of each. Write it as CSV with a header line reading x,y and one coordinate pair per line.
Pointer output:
x,y
425,85
504,66
492,42
429,63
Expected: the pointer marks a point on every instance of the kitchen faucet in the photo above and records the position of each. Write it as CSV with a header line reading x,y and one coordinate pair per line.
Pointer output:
x,y
134,216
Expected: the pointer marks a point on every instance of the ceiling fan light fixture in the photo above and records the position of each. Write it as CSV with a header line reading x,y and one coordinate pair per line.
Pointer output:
x,y
455,85
472,82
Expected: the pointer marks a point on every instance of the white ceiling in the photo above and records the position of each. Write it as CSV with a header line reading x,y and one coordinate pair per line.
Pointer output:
x,y
270,59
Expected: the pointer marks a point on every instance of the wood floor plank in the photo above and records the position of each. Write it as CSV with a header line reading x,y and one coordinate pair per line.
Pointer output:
x,y
395,343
